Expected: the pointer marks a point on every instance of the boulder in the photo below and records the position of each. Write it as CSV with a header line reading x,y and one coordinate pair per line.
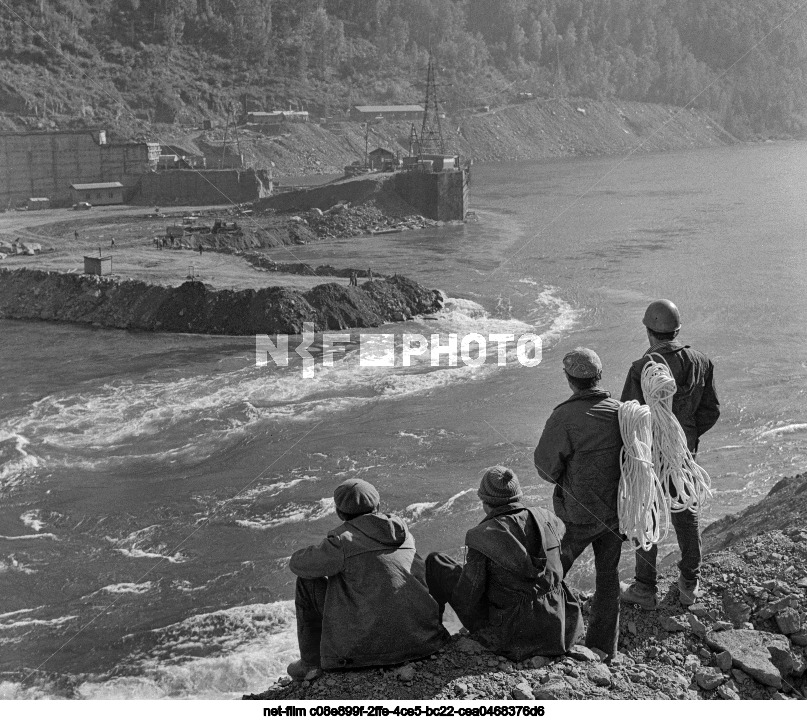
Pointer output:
x,y
737,610
672,625
763,656
407,673
697,627
600,675
551,691
724,660
583,653
468,645
538,662
523,692
708,678
788,621
727,693
799,639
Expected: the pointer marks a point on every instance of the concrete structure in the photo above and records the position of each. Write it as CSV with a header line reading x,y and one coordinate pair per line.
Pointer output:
x,y
178,187
386,112
97,193
97,266
44,164
439,196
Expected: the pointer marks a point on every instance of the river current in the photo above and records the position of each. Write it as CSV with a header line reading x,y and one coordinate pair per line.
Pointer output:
x,y
153,486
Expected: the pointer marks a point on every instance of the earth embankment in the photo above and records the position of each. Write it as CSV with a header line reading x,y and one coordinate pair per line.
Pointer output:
x,y
194,307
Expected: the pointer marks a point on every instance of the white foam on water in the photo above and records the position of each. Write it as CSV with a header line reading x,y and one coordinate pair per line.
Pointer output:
x,y
27,622
293,513
16,462
414,510
273,489
144,543
30,536
185,420
221,654
19,611
32,520
553,309
136,588
783,430
137,553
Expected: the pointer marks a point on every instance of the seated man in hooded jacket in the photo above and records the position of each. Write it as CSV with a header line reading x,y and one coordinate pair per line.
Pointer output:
x,y
510,593
361,595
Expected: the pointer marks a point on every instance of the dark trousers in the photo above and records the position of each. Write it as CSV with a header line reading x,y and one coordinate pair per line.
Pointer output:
x,y
442,575
603,622
309,603
685,524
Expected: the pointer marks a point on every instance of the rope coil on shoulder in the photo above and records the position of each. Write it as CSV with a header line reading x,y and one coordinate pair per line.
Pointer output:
x,y
680,476
641,501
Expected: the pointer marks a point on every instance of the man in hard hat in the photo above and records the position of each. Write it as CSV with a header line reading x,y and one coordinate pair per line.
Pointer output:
x,y
697,409
579,451
510,593
361,596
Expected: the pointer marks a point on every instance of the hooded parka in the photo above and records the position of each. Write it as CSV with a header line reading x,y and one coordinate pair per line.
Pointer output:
x,y
378,610
511,594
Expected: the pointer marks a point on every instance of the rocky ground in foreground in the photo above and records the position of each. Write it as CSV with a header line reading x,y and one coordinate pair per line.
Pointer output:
x,y
746,638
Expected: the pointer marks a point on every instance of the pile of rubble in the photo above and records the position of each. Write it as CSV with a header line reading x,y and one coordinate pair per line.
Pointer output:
x,y
346,220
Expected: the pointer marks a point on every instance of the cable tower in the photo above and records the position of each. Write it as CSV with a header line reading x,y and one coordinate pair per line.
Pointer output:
x,y
431,134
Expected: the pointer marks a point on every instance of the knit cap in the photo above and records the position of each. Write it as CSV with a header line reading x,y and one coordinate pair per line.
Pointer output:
x,y
355,496
499,487
582,363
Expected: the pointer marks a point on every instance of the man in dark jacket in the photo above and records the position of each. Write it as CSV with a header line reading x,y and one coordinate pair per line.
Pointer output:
x,y
697,409
579,452
361,595
510,593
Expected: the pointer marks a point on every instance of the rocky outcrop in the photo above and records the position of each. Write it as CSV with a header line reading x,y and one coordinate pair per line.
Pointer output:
x,y
194,307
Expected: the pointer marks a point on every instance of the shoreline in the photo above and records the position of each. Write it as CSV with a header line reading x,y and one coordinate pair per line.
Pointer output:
x,y
746,638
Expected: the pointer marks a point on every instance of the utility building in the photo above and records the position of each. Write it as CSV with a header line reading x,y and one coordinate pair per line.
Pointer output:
x,y
97,193
381,159
386,112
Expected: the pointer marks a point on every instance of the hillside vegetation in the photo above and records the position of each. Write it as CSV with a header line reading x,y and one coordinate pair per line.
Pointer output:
x,y
132,63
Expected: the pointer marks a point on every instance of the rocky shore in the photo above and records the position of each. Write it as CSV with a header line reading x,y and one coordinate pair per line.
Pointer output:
x,y
195,307
746,638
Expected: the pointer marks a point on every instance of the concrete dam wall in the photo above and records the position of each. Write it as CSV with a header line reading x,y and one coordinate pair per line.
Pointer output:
x,y
191,187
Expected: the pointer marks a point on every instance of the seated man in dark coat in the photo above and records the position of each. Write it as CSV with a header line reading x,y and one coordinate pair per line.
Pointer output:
x,y
510,594
361,595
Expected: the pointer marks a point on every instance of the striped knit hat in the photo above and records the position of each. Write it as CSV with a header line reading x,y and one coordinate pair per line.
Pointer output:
x,y
499,487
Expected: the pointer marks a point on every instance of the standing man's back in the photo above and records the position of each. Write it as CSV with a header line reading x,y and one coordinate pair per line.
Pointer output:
x,y
697,409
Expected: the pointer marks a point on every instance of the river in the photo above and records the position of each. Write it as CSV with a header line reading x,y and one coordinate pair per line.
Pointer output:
x,y
153,486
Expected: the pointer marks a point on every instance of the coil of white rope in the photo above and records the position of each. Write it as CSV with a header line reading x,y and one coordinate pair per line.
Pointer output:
x,y
680,476
641,503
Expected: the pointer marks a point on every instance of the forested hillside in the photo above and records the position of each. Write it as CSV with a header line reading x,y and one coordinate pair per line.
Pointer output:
x,y
136,62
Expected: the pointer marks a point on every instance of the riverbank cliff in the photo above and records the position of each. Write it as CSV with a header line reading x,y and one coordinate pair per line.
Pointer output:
x,y
746,638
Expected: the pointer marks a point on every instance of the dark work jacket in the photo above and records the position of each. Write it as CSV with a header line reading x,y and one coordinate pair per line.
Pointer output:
x,y
511,593
378,610
579,452
695,403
